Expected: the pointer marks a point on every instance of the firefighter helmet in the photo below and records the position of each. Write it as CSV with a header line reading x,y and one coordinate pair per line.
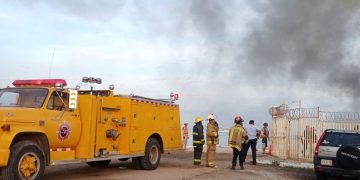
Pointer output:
x,y
238,119
211,116
198,119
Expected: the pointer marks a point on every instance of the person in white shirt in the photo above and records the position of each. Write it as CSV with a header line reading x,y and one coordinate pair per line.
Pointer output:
x,y
252,133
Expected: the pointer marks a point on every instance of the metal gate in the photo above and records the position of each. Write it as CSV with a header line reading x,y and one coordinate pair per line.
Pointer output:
x,y
296,131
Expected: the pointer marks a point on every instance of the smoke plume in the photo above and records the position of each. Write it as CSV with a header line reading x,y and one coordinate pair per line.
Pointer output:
x,y
306,41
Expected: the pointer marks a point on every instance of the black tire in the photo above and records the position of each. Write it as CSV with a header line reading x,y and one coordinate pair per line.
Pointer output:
x,y
320,176
348,157
27,155
135,163
103,163
152,155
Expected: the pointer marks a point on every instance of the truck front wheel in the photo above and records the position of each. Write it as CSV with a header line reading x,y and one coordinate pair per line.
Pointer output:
x,y
152,155
27,161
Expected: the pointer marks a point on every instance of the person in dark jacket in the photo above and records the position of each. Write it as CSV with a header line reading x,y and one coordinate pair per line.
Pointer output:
x,y
198,140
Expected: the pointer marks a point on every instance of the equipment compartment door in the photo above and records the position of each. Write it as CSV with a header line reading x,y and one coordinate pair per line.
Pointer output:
x,y
108,127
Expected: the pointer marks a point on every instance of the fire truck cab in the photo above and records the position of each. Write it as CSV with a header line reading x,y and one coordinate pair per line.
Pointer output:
x,y
42,123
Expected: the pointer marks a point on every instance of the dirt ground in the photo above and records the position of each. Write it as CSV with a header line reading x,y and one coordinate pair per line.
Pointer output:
x,y
178,165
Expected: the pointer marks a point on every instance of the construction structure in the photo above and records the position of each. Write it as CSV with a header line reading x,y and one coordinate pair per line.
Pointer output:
x,y
295,131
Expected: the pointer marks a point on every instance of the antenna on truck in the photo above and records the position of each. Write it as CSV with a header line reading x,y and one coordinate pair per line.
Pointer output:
x,y
51,62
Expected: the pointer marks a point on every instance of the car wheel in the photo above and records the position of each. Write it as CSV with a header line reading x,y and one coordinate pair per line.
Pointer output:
x,y
320,176
152,155
348,157
27,161
99,163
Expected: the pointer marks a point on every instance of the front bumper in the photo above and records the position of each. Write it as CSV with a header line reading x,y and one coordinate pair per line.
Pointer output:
x,y
4,157
337,171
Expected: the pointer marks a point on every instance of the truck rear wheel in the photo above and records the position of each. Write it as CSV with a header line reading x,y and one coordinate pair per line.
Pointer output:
x,y
152,155
99,163
135,162
27,161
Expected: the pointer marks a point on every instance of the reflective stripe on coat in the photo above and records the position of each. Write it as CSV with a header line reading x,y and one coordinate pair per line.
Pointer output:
x,y
198,135
237,136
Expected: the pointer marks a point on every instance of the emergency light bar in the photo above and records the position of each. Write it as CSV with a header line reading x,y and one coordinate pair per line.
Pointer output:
x,y
39,82
91,80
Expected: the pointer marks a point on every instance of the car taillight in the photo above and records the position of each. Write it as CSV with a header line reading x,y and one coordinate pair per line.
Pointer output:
x,y
318,143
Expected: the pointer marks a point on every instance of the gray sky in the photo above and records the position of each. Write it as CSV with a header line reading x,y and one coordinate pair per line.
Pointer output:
x,y
222,57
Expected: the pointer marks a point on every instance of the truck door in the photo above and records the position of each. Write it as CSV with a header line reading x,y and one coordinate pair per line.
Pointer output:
x,y
62,124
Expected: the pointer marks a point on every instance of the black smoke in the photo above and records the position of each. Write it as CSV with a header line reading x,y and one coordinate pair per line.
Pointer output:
x,y
306,41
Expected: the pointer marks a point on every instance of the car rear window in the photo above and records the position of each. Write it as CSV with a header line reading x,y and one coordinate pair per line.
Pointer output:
x,y
341,139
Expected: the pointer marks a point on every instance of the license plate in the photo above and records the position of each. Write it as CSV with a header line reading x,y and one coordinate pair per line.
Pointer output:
x,y
326,162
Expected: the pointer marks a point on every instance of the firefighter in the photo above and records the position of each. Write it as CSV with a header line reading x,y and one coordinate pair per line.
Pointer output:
x,y
212,139
198,140
237,137
185,135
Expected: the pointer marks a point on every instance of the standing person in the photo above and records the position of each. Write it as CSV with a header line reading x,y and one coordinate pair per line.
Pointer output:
x,y
185,135
264,135
198,140
212,139
251,132
237,136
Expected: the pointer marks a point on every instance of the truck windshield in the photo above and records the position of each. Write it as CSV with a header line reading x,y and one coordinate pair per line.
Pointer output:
x,y
23,97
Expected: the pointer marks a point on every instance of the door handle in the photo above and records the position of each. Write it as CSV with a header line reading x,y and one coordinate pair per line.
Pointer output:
x,y
76,115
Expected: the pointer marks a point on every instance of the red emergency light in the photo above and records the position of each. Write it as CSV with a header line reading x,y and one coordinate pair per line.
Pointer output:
x,y
39,82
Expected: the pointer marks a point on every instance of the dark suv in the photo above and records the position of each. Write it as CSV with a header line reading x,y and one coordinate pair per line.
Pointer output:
x,y
337,152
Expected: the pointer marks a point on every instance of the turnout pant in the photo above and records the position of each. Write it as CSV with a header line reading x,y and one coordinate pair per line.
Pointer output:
x,y
251,143
185,140
236,154
210,155
197,155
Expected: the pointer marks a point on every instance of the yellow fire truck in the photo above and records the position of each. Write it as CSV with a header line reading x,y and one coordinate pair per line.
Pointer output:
x,y
42,123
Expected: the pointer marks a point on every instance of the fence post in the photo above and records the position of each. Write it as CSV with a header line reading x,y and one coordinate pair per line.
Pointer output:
x,y
287,122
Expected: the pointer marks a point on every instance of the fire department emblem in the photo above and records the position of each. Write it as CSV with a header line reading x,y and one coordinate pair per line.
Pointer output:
x,y
63,132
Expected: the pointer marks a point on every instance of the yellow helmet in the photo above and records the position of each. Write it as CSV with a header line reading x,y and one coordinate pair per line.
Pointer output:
x,y
211,117
198,119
